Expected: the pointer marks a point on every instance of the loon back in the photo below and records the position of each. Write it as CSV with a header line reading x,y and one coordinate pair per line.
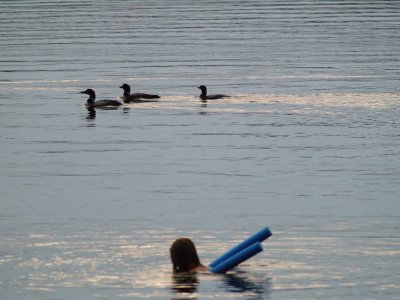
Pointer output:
x,y
135,97
103,103
214,97
204,95
100,103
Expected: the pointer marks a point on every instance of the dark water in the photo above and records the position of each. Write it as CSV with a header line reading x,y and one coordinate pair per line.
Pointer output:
x,y
308,145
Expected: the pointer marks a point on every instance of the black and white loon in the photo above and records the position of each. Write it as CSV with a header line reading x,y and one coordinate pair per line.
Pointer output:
x,y
204,96
127,97
100,103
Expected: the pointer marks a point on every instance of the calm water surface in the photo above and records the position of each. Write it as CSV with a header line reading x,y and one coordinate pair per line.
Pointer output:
x,y
308,145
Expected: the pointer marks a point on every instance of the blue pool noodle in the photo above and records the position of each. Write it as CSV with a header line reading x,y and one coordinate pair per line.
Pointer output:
x,y
260,236
237,258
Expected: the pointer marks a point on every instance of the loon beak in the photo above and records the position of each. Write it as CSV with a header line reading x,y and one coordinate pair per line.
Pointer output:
x,y
199,87
121,87
83,92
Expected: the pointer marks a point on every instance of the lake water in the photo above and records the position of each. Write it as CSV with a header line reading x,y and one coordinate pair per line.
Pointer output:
x,y
307,144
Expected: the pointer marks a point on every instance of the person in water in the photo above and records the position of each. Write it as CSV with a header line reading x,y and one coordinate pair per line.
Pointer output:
x,y
184,257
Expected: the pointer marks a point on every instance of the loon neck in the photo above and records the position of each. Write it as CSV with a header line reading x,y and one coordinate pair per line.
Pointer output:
x,y
203,91
90,101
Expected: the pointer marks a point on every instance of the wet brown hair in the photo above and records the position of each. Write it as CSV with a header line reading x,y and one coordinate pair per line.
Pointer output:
x,y
184,255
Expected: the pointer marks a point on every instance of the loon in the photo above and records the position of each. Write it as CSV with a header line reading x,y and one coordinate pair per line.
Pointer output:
x,y
127,97
204,96
100,103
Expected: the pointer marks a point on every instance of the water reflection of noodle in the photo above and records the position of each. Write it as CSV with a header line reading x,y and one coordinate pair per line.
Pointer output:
x,y
185,285
243,283
254,287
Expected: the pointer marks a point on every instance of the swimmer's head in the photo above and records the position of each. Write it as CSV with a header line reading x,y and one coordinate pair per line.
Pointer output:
x,y
184,255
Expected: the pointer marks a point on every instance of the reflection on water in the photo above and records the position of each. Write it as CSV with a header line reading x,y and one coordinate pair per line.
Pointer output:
x,y
184,285
255,286
246,284
91,113
126,110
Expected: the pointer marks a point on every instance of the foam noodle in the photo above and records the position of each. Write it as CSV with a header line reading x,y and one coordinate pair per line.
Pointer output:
x,y
236,259
260,236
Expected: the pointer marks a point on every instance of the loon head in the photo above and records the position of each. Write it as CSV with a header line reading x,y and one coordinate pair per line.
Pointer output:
x,y
126,88
203,90
92,96
90,92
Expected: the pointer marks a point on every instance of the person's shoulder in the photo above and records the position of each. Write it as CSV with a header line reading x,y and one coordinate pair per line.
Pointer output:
x,y
199,269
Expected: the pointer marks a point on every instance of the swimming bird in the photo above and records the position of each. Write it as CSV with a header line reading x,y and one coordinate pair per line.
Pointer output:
x,y
204,96
100,103
127,97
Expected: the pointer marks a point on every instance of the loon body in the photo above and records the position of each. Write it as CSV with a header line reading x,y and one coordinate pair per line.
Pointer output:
x,y
205,97
127,97
91,103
